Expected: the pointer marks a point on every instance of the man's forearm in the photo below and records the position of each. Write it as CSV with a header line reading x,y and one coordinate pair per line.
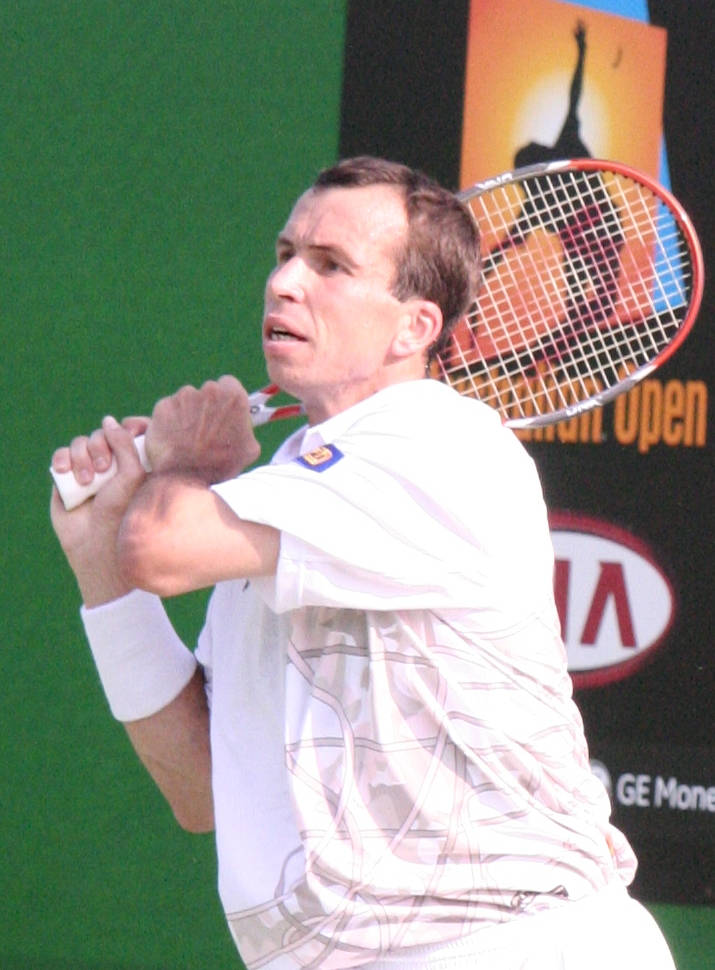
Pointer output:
x,y
173,745
155,687
178,535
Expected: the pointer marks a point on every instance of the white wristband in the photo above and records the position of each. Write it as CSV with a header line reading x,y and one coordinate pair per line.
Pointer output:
x,y
141,661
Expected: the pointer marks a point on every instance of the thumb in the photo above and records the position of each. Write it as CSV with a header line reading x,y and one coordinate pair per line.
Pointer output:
x,y
136,424
121,441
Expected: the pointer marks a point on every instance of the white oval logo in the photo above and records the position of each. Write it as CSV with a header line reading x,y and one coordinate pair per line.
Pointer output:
x,y
615,602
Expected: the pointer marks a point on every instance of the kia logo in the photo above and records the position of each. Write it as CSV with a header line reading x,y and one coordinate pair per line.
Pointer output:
x,y
615,602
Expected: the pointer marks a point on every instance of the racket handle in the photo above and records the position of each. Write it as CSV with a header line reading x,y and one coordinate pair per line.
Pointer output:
x,y
74,494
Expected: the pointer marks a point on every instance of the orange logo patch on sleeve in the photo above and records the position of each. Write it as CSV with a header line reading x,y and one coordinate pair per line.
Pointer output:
x,y
320,458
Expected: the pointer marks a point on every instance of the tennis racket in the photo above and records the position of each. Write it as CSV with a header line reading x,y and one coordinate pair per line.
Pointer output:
x,y
592,277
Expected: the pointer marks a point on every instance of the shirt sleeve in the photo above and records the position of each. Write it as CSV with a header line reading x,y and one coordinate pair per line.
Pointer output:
x,y
369,525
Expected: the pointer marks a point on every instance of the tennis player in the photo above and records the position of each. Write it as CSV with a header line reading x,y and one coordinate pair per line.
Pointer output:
x,y
378,718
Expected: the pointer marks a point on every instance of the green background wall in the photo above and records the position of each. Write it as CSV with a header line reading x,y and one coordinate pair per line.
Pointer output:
x,y
150,152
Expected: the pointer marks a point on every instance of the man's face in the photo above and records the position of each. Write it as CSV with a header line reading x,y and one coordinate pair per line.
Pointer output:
x,y
330,318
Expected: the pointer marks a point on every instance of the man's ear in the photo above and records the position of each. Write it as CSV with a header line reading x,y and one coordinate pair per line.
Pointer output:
x,y
421,325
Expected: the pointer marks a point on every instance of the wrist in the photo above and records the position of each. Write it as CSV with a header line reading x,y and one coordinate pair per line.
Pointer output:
x,y
99,579
142,663
90,548
100,585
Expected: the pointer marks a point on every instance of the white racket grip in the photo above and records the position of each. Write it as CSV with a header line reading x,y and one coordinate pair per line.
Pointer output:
x,y
74,494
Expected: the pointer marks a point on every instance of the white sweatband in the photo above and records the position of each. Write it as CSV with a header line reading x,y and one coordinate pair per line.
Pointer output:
x,y
141,661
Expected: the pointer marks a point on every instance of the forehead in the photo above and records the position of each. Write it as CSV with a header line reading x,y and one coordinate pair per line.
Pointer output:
x,y
368,221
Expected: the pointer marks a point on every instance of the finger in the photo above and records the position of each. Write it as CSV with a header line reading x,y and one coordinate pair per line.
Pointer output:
x,y
237,389
229,382
99,451
80,460
237,393
121,441
183,399
61,461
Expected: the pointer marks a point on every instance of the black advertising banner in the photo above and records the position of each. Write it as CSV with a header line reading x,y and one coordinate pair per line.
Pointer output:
x,y
466,91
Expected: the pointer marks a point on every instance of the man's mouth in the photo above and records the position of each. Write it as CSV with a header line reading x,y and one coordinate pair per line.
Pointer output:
x,y
279,331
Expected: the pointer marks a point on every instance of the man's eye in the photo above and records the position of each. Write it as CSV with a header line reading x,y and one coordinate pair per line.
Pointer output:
x,y
329,265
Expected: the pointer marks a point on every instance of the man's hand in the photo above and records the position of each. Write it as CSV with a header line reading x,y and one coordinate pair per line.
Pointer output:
x,y
88,534
166,532
205,433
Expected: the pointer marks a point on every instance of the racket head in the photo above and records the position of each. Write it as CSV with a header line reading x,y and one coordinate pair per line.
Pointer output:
x,y
592,277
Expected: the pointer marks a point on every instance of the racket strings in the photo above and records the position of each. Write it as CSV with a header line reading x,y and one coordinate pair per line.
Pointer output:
x,y
665,283
586,280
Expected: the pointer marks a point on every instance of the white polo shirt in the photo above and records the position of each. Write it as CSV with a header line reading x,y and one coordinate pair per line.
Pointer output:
x,y
397,760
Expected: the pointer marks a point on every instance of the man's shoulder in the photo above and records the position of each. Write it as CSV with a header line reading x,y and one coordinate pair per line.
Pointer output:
x,y
423,405
429,415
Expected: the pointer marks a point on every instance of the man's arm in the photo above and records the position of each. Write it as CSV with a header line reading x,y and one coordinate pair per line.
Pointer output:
x,y
173,745
172,741
177,535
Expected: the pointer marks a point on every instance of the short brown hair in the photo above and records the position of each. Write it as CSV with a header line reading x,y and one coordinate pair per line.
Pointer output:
x,y
440,260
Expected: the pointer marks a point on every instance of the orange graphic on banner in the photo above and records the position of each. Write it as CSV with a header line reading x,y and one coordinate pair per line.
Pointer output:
x,y
601,244
549,79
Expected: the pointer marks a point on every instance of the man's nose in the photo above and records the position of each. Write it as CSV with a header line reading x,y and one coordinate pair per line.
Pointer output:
x,y
286,280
